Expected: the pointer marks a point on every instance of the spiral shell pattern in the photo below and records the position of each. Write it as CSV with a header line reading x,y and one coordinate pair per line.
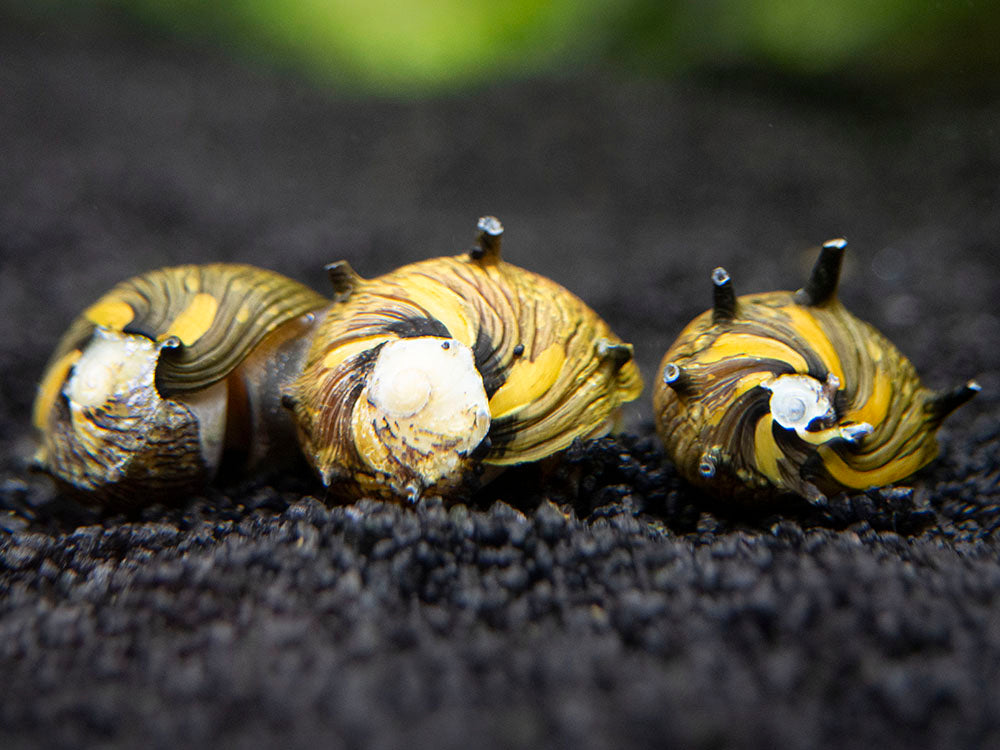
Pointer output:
x,y
789,392
211,316
551,370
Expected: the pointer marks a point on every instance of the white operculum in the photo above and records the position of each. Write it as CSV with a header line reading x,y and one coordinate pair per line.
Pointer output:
x,y
430,394
797,400
113,366
117,372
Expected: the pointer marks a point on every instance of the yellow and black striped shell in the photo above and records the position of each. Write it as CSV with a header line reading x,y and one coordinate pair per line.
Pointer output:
x,y
527,368
789,392
140,393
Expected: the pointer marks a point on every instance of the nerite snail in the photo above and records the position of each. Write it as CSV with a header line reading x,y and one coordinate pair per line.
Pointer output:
x,y
410,383
415,378
789,392
167,371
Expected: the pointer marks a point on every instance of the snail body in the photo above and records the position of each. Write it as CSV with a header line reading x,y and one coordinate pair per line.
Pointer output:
x,y
790,393
427,379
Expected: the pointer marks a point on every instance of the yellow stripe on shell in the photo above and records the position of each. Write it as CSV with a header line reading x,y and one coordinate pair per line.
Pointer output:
x,y
766,450
876,406
194,320
805,325
110,313
820,437
51,386
528,381
893,471
442,303
743,385
735,345
336,356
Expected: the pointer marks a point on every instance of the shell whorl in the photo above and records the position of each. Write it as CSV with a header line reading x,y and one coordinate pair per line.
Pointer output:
x,y
789,392
215,314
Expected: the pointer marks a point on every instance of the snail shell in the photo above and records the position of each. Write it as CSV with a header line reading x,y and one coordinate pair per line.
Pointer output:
x,y
789,392
418,378
163,373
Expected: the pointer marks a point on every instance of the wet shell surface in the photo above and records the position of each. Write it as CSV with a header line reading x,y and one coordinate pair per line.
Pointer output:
x,y
138,396
419,379
789,392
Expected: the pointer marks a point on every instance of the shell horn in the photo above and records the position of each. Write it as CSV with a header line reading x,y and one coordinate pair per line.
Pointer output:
x,y
944,403
489,236
822,284
723,296
678,379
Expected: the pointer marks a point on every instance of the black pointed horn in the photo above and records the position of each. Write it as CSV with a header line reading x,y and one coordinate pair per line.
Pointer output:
x,y
677,378
724,298
822,284
489,235
343,278
618,353
945,402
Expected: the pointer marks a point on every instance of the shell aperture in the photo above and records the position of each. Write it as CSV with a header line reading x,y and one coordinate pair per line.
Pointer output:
x,y
423,411
108,431
796,400
108,367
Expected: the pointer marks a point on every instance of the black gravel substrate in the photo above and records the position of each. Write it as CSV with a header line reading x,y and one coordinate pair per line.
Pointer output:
x,y
597,603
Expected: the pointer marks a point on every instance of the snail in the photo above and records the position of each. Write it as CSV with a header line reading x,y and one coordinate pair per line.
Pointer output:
x,y
790,393
431,378
167,371
507,367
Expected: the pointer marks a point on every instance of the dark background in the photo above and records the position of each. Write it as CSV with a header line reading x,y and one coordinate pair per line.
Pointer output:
x,y
630,611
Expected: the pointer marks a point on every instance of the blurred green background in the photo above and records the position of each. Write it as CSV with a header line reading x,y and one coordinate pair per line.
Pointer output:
x,y
410,47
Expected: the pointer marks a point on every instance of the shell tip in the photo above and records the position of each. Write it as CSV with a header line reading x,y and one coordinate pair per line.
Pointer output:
x,y
170,342
677,378
707,465
412,492
489,235
343,278
329,476
724,298
822,284
852,433
39,462
941,404
813,495
618,354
